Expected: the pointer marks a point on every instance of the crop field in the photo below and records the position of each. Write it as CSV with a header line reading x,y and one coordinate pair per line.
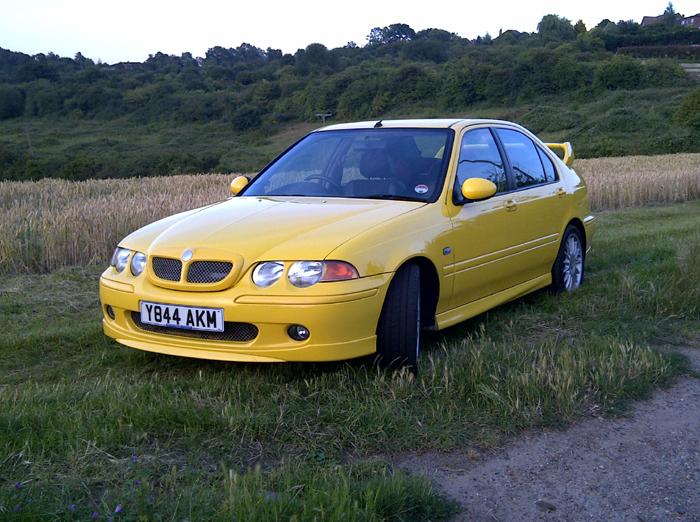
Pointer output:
x,y
53,223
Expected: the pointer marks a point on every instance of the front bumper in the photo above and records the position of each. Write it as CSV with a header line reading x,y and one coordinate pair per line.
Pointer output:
x,y
341,317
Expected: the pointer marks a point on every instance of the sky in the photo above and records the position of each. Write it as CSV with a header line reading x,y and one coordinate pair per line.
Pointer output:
x,y
130,30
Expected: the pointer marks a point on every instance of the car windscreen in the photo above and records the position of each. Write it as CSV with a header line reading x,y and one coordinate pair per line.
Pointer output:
x,y
406,164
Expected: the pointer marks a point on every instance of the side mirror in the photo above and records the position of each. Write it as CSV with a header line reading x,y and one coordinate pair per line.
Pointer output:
x,y
238,183
476,189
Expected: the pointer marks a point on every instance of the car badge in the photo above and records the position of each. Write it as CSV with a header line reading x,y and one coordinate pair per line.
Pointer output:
x,y
186,255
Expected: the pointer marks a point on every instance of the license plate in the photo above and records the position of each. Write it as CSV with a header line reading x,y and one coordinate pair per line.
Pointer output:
x,y
184,317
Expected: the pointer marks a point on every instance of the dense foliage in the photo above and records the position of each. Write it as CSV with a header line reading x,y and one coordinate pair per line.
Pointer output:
x,y
250,91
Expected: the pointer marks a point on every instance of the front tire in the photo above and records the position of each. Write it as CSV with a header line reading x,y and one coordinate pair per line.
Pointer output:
x,y
398,331
567,272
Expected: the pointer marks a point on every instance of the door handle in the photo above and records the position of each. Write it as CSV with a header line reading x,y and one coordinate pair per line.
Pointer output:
x,y
560,192
511,205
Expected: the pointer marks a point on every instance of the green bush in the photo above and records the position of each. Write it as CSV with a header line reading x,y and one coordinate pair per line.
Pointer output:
x,y
11,102
247,117
688,114
545,118
621,72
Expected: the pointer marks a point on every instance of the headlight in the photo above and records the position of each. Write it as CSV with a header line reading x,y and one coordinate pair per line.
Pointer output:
x,y
305,273
120,258
138,263
266,274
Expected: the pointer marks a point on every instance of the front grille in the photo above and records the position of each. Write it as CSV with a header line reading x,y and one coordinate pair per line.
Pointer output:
x,y
208,271
233,332
167,268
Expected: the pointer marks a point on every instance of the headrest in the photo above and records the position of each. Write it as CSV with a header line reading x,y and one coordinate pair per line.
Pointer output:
x,y
374,164
403,147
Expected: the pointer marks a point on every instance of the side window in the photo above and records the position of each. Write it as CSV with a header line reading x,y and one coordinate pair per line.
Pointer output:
x,y
523,156
549,171
479,158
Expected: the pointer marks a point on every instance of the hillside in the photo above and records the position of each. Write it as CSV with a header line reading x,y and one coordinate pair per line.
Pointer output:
x,y
234,109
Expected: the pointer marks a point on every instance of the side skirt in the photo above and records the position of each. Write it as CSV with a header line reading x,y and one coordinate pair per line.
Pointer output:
x,y
464,312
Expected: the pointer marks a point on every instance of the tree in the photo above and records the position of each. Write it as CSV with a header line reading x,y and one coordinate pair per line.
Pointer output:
x,y
11,102
553,27
670,15
580,28
316,55
81,60
435,34
391,33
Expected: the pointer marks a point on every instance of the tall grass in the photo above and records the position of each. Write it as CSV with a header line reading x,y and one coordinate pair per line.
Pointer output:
x,y
53,223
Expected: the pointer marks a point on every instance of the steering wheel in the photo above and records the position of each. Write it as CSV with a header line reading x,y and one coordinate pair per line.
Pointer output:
x,y
327,180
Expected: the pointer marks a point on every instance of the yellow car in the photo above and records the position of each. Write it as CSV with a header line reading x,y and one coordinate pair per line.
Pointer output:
x,y
351,242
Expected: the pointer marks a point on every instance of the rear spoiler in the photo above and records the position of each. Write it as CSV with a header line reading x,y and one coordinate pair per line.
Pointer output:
x,y
563,149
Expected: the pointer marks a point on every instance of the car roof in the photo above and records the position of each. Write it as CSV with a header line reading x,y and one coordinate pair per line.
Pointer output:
x,y
446,123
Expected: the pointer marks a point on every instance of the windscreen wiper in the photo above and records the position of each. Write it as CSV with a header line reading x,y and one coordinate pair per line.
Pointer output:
x,y
394,197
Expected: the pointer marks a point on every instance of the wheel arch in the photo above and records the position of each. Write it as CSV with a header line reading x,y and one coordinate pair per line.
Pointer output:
x,y
576,222
430,288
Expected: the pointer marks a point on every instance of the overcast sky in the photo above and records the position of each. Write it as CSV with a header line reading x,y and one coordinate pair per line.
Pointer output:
x,y
130,30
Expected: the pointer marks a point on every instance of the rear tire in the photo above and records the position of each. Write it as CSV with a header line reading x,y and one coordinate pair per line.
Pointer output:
x,y
398,331
567,272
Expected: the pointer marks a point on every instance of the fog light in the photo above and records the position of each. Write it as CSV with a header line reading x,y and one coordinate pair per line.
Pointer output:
x,y
298,332
110,312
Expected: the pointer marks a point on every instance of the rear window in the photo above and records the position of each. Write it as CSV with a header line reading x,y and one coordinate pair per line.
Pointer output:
x,y
549,170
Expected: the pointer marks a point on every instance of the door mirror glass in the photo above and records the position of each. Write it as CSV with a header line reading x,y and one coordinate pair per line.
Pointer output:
x,y
238,183
476,189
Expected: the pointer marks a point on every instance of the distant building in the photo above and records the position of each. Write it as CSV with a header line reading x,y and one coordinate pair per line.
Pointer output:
x,y
691,21
511,35
687,21
652,20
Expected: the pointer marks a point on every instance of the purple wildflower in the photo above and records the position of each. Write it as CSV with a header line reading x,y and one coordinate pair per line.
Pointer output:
x,y
118,509
71,507
137,482
94,515
19,485
134,458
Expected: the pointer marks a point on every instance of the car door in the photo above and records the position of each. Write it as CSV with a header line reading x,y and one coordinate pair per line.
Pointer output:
x,y
537,203
480,240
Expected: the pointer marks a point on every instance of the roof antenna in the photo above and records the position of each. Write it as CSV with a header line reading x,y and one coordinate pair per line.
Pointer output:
x,y
378,124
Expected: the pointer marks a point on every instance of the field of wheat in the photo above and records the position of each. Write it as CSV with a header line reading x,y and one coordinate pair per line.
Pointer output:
x,y
52,223
637,181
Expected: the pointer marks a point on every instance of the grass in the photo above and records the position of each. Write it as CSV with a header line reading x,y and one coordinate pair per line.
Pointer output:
x,y
52,223
89,426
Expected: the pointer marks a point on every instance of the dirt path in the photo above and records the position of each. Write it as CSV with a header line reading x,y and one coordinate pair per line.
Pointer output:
x,y
643,467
